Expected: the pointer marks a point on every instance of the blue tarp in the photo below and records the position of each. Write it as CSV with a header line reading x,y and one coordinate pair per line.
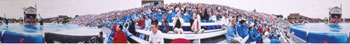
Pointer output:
x,y
12,37
331,36
300,33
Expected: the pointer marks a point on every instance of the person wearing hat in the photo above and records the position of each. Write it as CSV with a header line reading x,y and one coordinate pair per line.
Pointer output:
x,y
266,38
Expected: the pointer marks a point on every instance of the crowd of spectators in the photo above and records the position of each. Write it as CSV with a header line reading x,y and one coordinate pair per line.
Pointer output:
x,y
261,27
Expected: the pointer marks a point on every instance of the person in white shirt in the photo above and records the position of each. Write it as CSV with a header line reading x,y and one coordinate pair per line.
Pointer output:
x,y
266,39
196,26
178,24
213,17
156,35
225,21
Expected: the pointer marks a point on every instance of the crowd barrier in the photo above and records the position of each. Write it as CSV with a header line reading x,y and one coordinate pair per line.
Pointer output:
x,y
186,36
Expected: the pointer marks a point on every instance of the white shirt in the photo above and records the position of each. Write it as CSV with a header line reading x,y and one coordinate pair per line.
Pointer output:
x,y
225,21
147,24
213,17
155,38
266,41
196,23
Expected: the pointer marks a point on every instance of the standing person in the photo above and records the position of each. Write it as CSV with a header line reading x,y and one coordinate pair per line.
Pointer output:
x,y
156,35
119,35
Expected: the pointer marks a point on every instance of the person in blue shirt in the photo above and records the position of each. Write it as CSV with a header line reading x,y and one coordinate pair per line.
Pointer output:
x,y
231,32
274,37
254,36
275,40
186,17
242,29
147,26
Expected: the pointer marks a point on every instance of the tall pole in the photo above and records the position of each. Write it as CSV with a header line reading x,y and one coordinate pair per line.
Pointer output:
x,y
6,21
4,15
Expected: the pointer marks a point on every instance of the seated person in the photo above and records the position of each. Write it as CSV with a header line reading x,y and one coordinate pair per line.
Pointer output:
x,y
165,24
125,29
141,22
100,38
131,28
225,21
266,38
156,36
154,18
275,39
254,36
147,23
196,24
205,15
178,25
242,29
119,36
231,35
213,17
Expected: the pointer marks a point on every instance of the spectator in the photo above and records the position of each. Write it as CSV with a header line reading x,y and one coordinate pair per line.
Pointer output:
x,y
183,13
165,24
266,38
141,22
119,36
225,21
156,36
253,35
196,24
154,18
100,38
242,29
132,27
231,35
178,25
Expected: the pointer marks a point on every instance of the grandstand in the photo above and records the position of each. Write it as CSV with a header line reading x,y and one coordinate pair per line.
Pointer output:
x,y
184,11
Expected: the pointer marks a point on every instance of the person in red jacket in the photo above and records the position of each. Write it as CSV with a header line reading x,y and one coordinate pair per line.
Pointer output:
x,y
260,29
119,36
